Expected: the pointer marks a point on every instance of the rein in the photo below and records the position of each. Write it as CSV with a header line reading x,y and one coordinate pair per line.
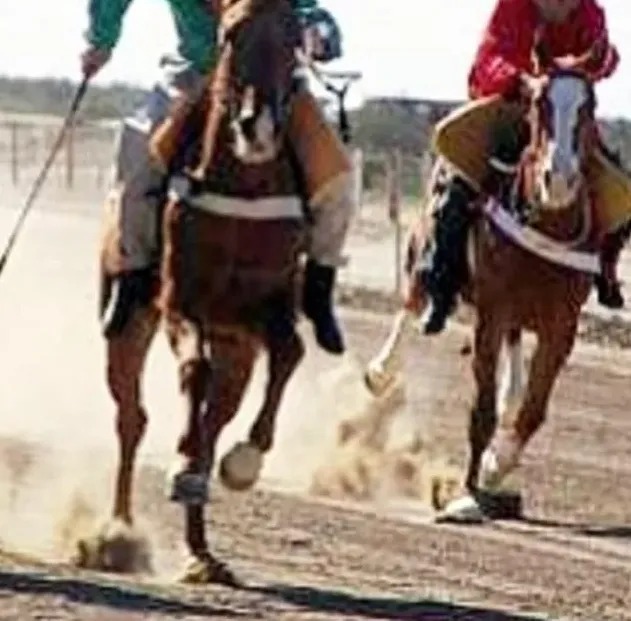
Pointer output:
x,y
231,17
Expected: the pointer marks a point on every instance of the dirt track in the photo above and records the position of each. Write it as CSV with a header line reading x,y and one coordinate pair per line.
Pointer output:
x,y
308,560
304,559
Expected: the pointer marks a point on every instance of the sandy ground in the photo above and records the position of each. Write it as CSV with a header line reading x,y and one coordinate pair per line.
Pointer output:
x,y
372,553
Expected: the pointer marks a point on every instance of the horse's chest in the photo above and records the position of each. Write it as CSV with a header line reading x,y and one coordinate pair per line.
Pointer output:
x,y
231,178
523,285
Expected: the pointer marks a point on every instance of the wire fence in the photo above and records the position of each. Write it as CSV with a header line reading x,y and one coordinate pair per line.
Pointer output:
x,y
389,186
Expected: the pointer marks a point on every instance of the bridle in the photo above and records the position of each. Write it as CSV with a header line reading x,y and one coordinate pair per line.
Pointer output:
x,y
524,196
221,89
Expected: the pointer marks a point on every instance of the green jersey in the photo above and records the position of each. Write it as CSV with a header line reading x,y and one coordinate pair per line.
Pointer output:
x,y
195,25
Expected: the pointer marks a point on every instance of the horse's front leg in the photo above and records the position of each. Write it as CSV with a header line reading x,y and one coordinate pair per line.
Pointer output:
x,y
475,506
240,468
483,418
231,366
188,478
502,456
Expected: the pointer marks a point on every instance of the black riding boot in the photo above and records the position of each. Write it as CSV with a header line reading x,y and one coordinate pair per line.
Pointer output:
x,y
444,266
608,287
123,294
317,304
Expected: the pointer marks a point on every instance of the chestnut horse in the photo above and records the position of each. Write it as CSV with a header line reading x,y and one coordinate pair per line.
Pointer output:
x,y
513,289
232,237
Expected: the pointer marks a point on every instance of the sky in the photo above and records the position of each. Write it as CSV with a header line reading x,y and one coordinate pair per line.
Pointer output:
x,y
413,48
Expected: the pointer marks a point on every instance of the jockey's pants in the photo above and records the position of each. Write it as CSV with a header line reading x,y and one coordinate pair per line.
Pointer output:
x,y
138,183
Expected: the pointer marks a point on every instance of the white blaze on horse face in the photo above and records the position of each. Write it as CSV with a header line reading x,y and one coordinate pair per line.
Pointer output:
x,y
560,173
262,146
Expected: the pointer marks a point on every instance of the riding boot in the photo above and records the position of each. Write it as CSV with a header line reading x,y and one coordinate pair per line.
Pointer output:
x,y
608,287
127,291
444,263
317,304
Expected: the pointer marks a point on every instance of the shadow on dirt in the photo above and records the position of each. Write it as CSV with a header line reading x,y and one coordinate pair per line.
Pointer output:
x,y
117,597
603,531
351,606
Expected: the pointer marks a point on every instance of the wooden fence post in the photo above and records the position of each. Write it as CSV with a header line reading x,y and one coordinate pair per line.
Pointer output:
x,y
395,165
70,160
14,157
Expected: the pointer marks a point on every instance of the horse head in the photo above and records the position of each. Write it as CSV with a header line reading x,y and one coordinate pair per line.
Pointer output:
x,y
561,120
255,72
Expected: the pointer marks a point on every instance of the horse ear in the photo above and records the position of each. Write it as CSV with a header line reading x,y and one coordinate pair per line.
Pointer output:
x,y
541,57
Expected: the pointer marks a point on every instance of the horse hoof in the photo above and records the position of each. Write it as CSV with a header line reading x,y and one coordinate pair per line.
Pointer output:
x,y
377,379
241,466
463,510
186,487
208,570
500,504
116,548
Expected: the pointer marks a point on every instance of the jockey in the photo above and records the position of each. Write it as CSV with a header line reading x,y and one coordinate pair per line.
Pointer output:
x,y
138,181
502,69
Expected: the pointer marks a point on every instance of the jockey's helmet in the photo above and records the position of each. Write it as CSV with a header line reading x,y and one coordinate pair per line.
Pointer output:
x,y
329,35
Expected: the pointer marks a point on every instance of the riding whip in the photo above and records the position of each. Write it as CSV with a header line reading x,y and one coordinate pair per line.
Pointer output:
x,y
39,181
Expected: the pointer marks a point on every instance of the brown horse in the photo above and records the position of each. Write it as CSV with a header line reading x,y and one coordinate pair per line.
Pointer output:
x,y
534,277
232,236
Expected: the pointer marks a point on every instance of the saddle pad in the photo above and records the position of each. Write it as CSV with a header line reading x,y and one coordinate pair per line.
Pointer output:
x,y
540,245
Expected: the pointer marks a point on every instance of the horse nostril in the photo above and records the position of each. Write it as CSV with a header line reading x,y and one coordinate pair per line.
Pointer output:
x,y
547,177
248,126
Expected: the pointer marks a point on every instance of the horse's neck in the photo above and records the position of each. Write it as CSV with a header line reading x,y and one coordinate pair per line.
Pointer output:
x,y
572,224
229,176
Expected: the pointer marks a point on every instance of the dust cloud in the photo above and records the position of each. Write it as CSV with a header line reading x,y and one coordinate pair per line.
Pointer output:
x,y
57,442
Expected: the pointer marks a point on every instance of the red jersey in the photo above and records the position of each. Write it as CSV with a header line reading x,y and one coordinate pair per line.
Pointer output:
x,y
507,43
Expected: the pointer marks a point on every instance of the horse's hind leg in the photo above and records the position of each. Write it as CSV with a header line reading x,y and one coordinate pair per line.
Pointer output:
x,y
114,547
241,467
382,370
503,454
